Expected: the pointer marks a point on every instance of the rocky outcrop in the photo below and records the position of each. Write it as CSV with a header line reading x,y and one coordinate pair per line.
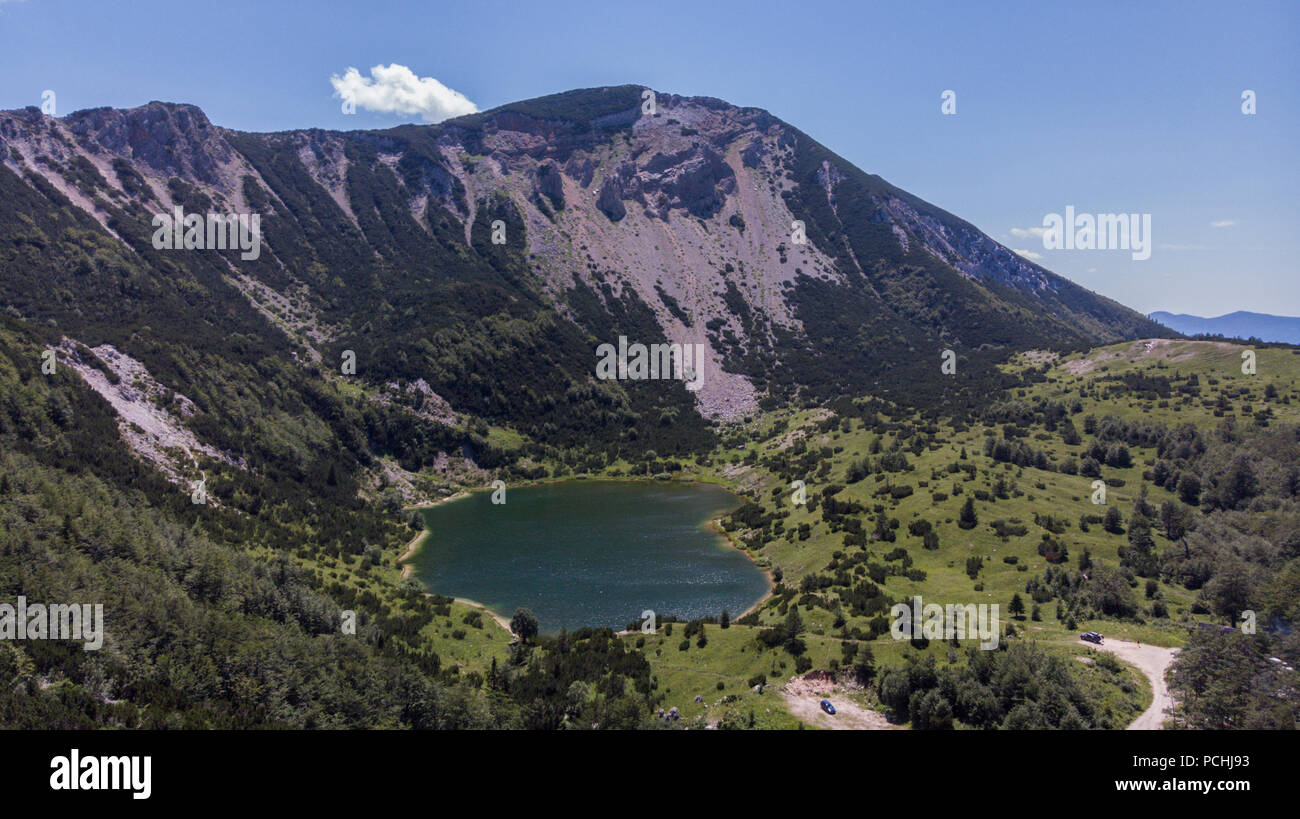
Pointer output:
x,y
171,140
610,201
697,181
581,168
549,182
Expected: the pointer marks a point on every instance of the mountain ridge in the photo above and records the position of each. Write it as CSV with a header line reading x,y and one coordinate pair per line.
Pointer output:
x,y
670,227
1237,324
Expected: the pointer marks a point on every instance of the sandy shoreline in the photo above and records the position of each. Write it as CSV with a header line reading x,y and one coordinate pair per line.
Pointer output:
x,y
418,506
474,604
418,541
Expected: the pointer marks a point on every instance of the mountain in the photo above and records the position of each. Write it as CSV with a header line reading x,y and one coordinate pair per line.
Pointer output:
x,y
674,226
218,444
426,302
1241,324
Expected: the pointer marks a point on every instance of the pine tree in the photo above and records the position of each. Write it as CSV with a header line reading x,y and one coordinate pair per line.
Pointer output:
x,y
793,623
864,667
1173,519
1142,506
968,519
1114,522
1069,435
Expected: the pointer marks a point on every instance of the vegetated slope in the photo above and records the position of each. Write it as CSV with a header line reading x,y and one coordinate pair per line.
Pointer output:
x,y
672,226
216,618
1199,522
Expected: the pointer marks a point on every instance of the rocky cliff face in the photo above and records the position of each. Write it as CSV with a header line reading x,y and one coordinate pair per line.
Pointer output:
x,y
676,226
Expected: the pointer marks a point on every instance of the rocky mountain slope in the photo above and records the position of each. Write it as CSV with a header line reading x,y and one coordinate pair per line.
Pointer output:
x,y
678,225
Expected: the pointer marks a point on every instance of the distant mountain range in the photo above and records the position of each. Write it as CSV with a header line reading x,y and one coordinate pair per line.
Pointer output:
x,y
1240,324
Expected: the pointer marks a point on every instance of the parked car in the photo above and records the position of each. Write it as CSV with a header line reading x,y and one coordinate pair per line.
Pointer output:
x,y
827,707
1091,637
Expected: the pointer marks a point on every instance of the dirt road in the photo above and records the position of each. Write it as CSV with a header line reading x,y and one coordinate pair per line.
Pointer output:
x,y
803,696
1152,661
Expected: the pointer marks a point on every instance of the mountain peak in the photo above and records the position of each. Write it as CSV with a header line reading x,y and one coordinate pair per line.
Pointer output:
x,y
695,221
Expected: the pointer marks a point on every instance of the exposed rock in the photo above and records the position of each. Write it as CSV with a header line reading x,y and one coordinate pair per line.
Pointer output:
x,y
149,415
610,202
699,183
582,168
549,182
687,213
174,140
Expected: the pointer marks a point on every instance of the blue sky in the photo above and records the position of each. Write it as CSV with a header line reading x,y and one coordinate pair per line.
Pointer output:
x,y
1109,107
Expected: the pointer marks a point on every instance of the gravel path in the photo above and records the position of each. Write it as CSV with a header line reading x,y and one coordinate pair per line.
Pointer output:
x,y
1152,661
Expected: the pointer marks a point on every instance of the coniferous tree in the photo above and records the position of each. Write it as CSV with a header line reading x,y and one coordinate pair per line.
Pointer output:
x,y
1017,606
1114,522
968,518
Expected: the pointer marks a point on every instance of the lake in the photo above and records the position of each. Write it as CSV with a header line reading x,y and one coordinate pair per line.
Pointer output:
x,y
590,553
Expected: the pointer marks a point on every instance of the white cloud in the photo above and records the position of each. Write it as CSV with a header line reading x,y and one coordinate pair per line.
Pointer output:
x,y
1223,223
1028,254
1025,233
395,89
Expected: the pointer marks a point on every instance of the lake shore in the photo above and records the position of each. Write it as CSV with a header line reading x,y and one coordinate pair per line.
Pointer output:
x,y
716,525
713,524
474,604
417,542
413,547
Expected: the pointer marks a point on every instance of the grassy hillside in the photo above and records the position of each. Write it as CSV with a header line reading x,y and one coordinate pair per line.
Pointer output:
x,y
885,495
